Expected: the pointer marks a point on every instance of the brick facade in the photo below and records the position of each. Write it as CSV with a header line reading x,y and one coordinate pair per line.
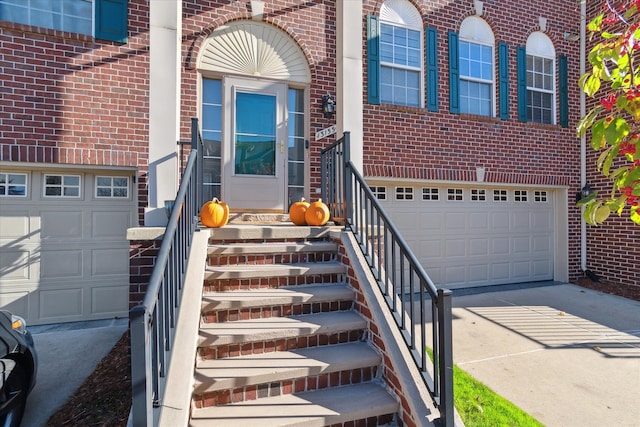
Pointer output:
x,y
72,99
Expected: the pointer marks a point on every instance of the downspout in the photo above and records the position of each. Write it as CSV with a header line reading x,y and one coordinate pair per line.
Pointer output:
x,y
583,139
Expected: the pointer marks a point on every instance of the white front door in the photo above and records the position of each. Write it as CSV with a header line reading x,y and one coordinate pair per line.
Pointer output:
x,y
254,154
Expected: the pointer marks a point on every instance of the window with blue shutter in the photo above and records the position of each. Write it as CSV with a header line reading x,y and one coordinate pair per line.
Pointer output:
x,y
373,60
454,74
522,84
111,20
503,79
432,68
563,77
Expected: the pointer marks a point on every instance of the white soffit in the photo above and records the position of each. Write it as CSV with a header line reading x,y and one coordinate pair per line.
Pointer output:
x,y
401,12
254,49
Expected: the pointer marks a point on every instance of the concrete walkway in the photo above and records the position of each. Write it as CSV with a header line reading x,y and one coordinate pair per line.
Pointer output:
x,y
567,355
67,354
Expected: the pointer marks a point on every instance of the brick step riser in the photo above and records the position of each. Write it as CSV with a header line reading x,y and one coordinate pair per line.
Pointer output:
x,y
259,259
230,315
222,285
282,344
297,385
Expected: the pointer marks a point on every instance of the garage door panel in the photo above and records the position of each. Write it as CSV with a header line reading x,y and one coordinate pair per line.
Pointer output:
x,y
61,263
112,224
479,247
542,268
455,222
15,264
541,220
109,299
108,262
541,243
430,220
14,225
500,272
478,221
15,302
520,221
500,246
60,303
61,224
520,270
430,248
479,273
455,248
499,220
455,274
521,245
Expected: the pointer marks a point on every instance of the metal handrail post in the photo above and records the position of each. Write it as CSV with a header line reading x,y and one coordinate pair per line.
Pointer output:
x,y
445,358
195,145
141,377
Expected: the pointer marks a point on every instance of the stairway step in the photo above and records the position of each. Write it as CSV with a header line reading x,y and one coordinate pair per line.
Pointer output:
x,y
316,408
284,231
271,247
274,328
286,295
241,371
273,270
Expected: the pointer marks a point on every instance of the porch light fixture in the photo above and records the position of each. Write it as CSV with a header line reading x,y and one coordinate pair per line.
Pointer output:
x,y
585,192
328,106
571,37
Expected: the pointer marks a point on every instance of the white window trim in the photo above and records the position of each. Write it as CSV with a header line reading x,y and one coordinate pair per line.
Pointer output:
x,y
539,45
112,177
7,184
61,196
477,31
401,13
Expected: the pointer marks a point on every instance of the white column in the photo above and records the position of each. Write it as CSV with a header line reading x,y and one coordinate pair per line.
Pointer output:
x,y
349,75
164,106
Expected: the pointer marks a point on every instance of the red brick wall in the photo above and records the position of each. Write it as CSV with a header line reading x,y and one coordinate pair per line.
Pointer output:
x,y
142,259
71,99
415,143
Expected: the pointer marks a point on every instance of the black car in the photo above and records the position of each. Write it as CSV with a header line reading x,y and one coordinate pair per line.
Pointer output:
x,y
18,367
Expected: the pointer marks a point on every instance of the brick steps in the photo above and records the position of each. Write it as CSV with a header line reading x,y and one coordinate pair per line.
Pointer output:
x,y
265,368
338,405
280,343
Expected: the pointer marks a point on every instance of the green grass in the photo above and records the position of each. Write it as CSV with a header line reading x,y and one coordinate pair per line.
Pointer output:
x,y
479,406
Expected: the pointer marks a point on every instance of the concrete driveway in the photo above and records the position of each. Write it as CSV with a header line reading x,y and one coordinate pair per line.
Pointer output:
x,y
568,356
67,354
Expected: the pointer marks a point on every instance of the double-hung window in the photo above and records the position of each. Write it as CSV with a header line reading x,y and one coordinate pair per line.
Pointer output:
x,y
395,55
476,78
540,79
104,19
474,85
400,65
538,96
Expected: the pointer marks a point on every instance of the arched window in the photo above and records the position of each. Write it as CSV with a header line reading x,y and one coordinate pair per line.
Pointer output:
x,y
477,79
541,79
401,53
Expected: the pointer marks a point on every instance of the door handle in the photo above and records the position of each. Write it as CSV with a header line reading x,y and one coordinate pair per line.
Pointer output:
x,y
282,146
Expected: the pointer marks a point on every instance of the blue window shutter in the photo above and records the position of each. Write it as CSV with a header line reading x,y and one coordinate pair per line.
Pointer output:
x,y
522,83
432,68
111,20
373,60
454,74
563,78
503,80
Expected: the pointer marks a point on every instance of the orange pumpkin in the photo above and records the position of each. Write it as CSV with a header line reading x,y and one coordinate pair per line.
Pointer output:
x,y
317,213
297,212
214,213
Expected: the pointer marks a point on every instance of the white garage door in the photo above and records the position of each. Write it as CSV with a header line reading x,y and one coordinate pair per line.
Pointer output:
x,y
475,235
63,249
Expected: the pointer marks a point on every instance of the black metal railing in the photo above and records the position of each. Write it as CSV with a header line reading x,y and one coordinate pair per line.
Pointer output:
x,y
153,323
399,275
